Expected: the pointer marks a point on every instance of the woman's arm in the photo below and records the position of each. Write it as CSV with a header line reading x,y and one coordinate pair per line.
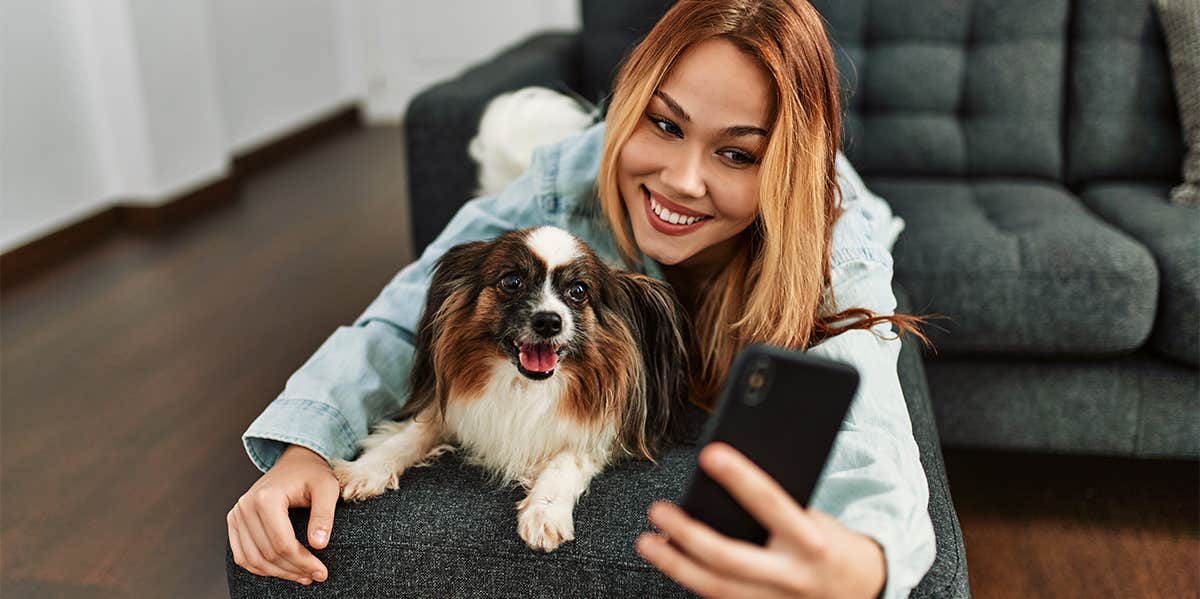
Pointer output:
x,y
867,532
874,482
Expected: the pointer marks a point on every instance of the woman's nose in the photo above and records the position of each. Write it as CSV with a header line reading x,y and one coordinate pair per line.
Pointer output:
x,y
684,174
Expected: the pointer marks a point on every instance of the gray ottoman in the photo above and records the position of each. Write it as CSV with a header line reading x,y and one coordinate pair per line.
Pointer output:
x,y
444,534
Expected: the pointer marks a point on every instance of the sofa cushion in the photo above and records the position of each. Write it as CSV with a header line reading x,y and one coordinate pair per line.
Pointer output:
x,y
1019,267
1122,120
947,87
443,533
1172,233
1140,405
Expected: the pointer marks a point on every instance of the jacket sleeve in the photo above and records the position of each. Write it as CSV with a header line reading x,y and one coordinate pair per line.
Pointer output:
x,y
359,375
873,482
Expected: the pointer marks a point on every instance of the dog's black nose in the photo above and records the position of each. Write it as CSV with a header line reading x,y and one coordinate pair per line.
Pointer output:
x,y
547,324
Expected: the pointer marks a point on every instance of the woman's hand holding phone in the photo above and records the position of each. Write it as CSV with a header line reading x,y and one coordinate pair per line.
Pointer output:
x,y
807,554
260,532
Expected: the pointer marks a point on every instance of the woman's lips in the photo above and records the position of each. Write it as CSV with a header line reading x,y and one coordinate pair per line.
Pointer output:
x,y
663,226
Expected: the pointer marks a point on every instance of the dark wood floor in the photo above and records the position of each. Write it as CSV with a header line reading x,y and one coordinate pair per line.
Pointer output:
x,y
127,376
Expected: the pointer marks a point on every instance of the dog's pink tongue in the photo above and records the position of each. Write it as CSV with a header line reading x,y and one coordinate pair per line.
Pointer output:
x,y
538,357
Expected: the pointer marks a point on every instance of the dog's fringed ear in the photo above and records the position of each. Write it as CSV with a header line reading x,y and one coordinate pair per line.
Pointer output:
x,y
661,330
455,274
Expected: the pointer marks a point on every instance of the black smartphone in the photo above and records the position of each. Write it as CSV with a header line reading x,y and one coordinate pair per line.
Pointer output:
x,y
782,409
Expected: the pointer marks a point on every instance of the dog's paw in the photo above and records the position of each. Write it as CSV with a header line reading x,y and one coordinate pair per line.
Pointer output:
x,y
545,524
363,480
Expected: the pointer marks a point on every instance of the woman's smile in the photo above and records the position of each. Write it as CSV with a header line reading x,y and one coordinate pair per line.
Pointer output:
x,y
670,218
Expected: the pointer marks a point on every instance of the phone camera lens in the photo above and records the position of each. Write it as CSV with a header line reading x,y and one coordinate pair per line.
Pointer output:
x,y
756,381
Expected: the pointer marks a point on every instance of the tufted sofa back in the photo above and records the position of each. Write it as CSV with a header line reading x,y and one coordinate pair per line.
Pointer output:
x,y
1123,120
1064,90
947,87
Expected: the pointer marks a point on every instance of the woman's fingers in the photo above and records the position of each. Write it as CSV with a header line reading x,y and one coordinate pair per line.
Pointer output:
x,y
266,546
720,553
253,559
684,570
757,492
235,544
323,496
278,527
695,575
262,567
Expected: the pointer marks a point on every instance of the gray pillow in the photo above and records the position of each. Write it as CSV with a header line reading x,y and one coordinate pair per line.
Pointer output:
x,y
1181,27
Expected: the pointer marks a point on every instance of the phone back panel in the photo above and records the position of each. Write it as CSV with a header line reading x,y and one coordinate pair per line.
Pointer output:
x,y
785,423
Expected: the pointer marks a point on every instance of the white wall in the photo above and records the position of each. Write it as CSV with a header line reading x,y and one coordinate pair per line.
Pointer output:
x,y
141,100
45,125
407,49
277,60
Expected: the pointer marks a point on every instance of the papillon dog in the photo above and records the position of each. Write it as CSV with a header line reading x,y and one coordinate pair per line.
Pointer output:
x,y
544,366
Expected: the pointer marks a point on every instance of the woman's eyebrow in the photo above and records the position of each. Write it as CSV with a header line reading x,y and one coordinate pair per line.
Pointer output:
x,y
734,131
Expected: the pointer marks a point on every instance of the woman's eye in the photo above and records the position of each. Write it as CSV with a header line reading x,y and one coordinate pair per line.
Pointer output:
x,y
665,126
739,157
577,293
510,283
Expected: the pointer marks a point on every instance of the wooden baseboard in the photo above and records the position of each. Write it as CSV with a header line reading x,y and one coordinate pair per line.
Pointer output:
x,y
26,262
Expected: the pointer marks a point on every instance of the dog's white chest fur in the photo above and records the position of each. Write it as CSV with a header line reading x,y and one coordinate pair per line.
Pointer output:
x,y
514,426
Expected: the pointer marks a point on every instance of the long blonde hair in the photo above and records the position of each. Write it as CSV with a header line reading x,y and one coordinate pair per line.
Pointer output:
x,y
771,291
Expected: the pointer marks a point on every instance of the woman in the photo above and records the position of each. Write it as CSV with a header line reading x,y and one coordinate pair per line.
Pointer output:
x,y
728,110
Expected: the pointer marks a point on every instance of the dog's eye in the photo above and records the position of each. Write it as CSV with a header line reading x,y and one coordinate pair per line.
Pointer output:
x,y
578,293
510,283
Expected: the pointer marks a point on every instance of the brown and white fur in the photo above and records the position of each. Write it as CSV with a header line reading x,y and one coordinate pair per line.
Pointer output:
x,y
483,378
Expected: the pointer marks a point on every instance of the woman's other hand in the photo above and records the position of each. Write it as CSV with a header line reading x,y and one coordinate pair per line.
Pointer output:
x,y
260,532
808,553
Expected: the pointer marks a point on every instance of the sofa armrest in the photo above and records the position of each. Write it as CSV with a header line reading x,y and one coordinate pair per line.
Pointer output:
x,y
441,120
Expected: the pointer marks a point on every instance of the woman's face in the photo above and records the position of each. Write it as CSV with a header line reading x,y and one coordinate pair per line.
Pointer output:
x,y
693,157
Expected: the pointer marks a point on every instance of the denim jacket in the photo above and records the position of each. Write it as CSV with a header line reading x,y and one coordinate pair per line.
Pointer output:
x,y
873,482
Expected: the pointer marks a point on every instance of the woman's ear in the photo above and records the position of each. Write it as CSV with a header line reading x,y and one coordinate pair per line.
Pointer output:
x,y
455,275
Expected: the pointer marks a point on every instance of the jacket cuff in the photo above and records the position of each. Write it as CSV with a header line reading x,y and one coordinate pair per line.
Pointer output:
x,y
312,424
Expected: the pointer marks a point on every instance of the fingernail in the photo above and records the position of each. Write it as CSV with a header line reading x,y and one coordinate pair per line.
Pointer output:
x,y
317,576
305,581
320,536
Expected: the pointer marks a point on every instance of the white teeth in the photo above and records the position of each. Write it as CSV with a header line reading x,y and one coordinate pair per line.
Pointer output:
x,y
671,217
